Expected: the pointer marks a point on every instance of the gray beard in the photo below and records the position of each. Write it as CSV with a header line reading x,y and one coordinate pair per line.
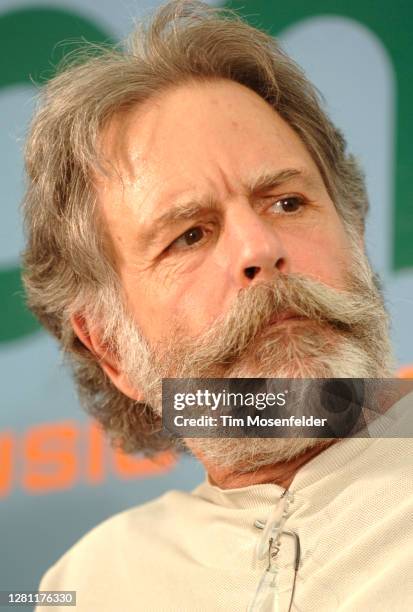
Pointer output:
x,y
346,336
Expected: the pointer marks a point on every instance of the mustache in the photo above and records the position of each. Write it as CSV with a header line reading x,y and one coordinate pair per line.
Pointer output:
x,y
349,312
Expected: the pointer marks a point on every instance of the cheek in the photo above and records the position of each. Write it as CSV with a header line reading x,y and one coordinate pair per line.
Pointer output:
x,y
198,298
188,301
324,253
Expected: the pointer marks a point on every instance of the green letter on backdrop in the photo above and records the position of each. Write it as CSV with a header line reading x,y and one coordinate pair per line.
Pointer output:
x,y
31,40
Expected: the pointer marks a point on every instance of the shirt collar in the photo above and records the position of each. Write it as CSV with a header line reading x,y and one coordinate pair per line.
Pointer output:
x,y
328,464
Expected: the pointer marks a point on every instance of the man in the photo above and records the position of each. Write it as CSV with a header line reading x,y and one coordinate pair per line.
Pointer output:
x,y
192,212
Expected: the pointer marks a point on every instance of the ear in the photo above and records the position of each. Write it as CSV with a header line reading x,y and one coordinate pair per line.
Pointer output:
x,y
91,339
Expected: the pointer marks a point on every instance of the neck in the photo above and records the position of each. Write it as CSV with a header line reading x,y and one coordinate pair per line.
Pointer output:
x,y
281,473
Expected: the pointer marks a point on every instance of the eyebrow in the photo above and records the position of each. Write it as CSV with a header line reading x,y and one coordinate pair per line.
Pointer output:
x,y
194,208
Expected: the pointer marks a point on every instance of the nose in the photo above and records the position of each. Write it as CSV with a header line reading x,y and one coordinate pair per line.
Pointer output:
x,y
256,251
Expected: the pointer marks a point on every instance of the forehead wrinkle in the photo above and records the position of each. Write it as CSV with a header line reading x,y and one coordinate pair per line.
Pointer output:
x,y
186,210
270,179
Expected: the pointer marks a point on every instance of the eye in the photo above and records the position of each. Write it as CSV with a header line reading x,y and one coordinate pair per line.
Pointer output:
x,y
189,238
289,204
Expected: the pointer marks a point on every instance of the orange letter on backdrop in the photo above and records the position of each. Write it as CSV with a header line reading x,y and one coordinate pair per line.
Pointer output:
x,y
6,462
95,454
50,454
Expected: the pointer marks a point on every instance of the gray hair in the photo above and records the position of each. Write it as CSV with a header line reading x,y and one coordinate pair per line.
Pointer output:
x,y
69,265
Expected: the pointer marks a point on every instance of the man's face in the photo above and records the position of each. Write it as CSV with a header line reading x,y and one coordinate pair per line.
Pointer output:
x,y
218,194
222,225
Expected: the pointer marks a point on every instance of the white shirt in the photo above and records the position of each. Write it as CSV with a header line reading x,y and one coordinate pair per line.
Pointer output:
x,y
351,506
